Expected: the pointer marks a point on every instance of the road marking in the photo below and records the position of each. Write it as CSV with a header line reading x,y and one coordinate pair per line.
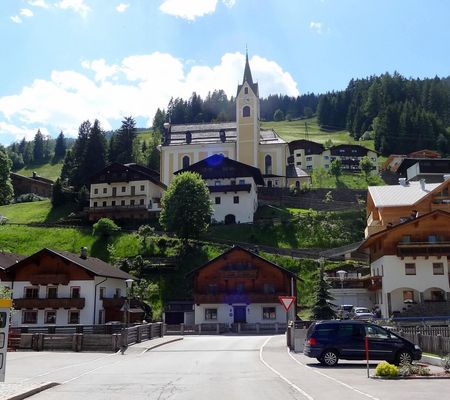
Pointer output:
x,y
292,385
69,366
92,370
331,378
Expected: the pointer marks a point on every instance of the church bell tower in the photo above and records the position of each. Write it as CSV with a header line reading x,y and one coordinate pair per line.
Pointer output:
x,y
247,119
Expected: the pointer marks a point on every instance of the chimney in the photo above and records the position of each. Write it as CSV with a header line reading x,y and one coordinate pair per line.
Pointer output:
x,y
83,253
34,174
403,181
422,184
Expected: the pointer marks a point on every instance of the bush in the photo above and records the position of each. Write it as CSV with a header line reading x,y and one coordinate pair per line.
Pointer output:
x,y
27,198
386,369
413,369
104,228
446,363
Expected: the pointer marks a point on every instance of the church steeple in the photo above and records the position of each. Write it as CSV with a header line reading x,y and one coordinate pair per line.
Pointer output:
x,y
247,71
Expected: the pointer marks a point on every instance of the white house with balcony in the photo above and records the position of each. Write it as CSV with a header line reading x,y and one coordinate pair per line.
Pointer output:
x,y
125,191
232,186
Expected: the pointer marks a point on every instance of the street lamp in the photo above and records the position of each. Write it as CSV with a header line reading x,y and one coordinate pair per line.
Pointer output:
x,y
341,273
128,282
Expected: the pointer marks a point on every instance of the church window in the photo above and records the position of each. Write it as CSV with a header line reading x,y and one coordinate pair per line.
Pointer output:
x,y
246,90
188,137
223,136
186,161
246,111
268,164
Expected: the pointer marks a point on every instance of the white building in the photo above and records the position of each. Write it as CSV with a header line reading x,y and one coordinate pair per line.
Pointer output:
x,y
125,191
232,186
60,288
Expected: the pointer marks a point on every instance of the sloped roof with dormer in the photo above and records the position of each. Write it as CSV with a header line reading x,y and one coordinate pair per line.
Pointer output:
x,y
218,167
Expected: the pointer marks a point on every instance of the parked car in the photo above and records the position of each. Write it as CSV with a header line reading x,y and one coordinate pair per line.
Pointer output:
x,y
361,313
344,311
329,341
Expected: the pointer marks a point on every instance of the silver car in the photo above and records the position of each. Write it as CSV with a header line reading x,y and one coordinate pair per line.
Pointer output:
x,y
361,313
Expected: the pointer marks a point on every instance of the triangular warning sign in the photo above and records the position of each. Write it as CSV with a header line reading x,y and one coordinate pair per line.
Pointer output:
x,y
286,301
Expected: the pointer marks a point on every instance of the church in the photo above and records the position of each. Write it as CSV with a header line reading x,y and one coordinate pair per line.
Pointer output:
x,y
243,141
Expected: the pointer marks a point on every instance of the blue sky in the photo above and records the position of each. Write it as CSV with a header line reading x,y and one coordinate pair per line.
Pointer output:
x,y
65,61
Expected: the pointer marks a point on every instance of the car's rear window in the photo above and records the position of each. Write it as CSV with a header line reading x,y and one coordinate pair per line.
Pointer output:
x,y
324,330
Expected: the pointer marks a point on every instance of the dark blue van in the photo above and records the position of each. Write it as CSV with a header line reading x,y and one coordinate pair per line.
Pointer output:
x,y
328,341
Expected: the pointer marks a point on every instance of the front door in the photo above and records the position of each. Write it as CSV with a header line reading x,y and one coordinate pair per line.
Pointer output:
x,y
239,314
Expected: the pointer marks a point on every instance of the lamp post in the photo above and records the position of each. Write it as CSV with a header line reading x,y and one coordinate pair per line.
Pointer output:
x,y
129,283
341,273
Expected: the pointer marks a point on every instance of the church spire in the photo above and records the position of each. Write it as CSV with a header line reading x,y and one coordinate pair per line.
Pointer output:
x,y
247,72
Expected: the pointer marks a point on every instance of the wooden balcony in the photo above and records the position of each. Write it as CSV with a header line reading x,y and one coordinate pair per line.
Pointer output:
x,y
41,304
246,187
371,283
50,279
247,298
240,274
423,249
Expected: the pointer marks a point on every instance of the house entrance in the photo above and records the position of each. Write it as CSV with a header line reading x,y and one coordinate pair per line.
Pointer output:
x,y
230,219
239,314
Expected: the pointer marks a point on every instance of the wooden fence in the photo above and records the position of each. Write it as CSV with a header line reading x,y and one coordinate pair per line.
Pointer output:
x,y
74,341
438,344
217,329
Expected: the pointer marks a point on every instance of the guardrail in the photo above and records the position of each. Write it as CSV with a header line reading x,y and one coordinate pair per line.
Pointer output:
x,y
218,328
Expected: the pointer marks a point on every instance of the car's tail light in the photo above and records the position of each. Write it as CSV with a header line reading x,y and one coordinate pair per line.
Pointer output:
x,y
312,341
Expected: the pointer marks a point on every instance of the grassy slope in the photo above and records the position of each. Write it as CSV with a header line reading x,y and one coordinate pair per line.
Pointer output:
x,y
293,130
49,170
37,211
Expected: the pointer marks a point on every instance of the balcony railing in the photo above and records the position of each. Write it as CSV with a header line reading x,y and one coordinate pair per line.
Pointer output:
x,y
246,298
368,282
118,208
48,303
230,188
415,249
244,274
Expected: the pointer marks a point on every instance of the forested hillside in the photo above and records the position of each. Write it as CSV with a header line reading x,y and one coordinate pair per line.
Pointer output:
x,y
401,115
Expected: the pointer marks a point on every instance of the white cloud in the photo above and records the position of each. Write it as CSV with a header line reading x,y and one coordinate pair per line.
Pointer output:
x,y
78,6
136,86
39,3
122,7
26,12
316,26
16,19
188,9
229,3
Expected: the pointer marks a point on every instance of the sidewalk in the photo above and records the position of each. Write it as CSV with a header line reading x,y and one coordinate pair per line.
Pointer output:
x,y
18,391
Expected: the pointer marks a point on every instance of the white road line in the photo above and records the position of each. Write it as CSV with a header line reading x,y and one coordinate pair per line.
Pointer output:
x,y
92,370
295,387
69,366
331,378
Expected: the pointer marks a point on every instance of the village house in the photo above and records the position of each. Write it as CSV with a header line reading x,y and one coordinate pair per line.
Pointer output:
x,y
309,155
31,184
239,286
125,191
232,186
351,155
62,288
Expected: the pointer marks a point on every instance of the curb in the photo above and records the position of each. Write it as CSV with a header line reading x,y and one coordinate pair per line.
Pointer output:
x,y
398,378
34,391
432,360
162,344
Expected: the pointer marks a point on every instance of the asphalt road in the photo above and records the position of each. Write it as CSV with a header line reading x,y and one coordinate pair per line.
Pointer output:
x,y
208,368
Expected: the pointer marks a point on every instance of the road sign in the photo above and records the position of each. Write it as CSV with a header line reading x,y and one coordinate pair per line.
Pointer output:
x,y
286,301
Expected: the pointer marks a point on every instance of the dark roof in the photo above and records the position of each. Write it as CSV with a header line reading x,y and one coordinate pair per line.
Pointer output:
x,y
35,178
350,150
426,165
91,264
217,166
8,259
309,146
133,172
235,248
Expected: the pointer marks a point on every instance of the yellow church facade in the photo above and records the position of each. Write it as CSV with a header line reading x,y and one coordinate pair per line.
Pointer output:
x,y
243,141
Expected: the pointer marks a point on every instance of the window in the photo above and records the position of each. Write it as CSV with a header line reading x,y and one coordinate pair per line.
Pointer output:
x,y
410,269
95,191
217,200
268,164
309,158
95,204
50,317
113,203
236,199
105,190
74,317
31,293
52,292
374,331
351,330
122,202
405,239
309,167
132,202
141,202
124,189
327,166
104,204
437,295
408,296
114,191
232,182
269,313
186,161
241,181
102,292
269,288
75,292
246,90
142,188
432,239
438,269
216,183
246,111
299,163
326,157
118,292
29,317
133,190
210,314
